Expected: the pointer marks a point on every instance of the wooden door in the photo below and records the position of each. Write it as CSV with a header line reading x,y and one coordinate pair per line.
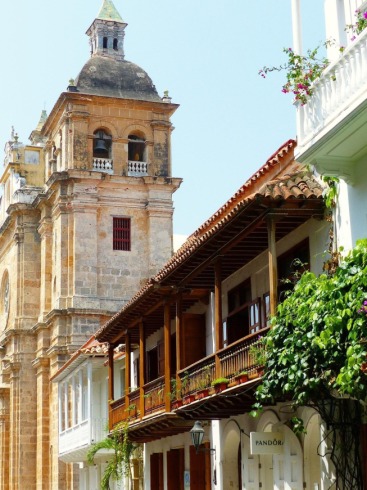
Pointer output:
x,y
200,469
156,471
194,347
175,469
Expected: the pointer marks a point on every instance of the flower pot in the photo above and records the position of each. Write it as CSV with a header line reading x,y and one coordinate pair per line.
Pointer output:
x,y
241,378
202,393
220,387
260,370
188,399
177,404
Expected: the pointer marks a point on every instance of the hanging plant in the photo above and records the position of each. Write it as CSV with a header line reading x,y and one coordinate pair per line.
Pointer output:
x,y
119,465
301,72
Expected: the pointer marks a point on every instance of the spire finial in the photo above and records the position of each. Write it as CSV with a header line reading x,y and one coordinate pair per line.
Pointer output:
x,y
109,12
107,33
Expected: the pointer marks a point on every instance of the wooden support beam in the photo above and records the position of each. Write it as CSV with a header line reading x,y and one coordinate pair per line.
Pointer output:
x,y
111,394
179,340
127,369
218,314
273,269
142,367
167,356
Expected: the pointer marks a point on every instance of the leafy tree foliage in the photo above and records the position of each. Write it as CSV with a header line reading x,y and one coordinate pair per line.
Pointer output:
x,y
318,344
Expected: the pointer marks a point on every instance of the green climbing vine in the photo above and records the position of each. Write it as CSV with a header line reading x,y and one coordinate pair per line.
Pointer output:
x,y
317,343
119,465
316,352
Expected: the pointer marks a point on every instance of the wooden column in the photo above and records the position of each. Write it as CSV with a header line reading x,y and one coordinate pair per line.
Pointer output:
x,y
179,341
142,367
218,314
273,270
111,374
111,393
167,355
127,369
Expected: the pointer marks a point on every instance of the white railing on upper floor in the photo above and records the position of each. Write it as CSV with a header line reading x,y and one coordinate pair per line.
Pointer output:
x,y
83,434
137,169
340,90
103,165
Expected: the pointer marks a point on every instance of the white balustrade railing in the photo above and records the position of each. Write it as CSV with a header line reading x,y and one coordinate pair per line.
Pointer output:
x,y
342,87
85,433
137,169
103,165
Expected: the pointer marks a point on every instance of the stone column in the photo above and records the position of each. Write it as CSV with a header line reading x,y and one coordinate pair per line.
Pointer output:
x,y
4,437
45,231
41,364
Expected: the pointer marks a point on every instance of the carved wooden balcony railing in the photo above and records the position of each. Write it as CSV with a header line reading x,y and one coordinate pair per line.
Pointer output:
x,y
197,376
237,357
233,359
154,396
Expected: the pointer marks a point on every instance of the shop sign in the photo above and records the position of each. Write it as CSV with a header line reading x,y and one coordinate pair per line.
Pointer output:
x,y
266,442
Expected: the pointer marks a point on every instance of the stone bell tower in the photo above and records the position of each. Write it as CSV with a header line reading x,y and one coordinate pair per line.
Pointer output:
x,y
93,225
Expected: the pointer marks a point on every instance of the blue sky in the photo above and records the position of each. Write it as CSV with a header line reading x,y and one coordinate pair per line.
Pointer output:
x,y
206,53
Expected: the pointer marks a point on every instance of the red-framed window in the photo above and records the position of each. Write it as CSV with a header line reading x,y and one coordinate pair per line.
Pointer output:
x,y
122,234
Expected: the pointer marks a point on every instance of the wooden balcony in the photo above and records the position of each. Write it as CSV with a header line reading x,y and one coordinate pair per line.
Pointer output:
x,y
237,397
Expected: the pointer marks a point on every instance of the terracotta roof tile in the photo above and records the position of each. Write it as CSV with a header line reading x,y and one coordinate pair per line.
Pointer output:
x,y
290,181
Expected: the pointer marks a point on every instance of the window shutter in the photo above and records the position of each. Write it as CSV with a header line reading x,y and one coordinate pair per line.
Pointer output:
x,y
122,234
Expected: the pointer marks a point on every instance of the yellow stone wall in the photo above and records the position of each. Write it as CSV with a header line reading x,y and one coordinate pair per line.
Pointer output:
x,y
65,278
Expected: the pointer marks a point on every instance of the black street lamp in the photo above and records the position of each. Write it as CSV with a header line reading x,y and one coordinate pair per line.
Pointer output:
x,y
197,435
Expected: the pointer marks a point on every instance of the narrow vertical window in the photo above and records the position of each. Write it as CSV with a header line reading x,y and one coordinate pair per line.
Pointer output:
x,y
105,43
122,234
115,44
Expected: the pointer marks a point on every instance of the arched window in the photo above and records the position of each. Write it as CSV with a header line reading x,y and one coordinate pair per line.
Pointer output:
x,y
115,44
137,148
105,43
102,144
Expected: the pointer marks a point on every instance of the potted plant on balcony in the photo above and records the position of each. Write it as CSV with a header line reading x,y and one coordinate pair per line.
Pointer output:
x,y
242,377
175,394
257,355
132,410
204,383
220,384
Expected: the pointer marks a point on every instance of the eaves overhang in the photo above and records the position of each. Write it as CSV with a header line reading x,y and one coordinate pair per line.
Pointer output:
x,y
236,239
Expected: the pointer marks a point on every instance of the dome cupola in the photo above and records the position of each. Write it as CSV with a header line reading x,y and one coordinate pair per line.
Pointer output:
x,y
107,73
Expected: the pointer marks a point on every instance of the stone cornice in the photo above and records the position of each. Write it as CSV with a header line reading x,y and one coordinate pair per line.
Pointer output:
x,y
77,311
41,363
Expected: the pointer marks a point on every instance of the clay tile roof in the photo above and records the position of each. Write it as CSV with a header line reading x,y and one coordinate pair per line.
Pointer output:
x,y
274,162
91,348
281,178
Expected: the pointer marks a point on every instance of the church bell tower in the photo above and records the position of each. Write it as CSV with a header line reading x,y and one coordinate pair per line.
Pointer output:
x,y
85,234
